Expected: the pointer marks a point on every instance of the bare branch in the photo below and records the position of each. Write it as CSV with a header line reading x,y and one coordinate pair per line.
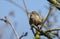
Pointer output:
x,y
47,17
42,32
32,31
25,7
23,35
16,4
56,29
13,28
12,33
6,20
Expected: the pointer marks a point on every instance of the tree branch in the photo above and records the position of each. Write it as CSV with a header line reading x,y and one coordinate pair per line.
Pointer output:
x,y
42,32
16,4
32,31
25,7
56,29
6,20
25,34
48,15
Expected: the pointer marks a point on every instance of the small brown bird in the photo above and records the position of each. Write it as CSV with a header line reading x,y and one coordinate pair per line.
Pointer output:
x,y
35,18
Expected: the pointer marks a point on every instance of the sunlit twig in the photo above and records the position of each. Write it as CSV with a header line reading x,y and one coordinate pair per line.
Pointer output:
x,y
48,15
56,29
6,20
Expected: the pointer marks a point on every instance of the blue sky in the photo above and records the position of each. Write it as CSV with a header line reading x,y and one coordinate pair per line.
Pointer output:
x,y
20,15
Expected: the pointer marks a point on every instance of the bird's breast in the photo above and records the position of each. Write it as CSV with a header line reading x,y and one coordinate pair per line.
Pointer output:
x,y
34,19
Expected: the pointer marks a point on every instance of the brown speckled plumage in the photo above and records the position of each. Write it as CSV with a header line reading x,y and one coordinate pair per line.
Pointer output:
x,y
35,18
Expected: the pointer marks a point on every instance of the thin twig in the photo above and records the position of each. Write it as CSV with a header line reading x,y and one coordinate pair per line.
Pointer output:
x,y
25,34
42,32
13,29
56,29
6,20
25,7
32,31
12,33
48,15
16,4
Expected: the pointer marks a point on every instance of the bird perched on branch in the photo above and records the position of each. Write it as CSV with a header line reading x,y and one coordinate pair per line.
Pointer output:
x,y
56,3
36,19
